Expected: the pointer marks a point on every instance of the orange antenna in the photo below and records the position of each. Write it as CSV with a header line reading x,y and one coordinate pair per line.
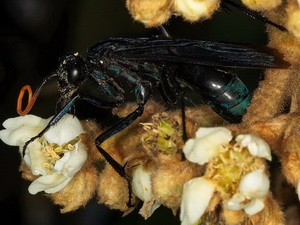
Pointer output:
x,y
31,98
30,102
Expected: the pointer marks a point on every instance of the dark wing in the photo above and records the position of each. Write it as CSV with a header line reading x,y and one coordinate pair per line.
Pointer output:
x,y
195,52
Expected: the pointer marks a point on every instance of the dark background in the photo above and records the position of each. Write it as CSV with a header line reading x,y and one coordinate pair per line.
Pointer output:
x,y
33,35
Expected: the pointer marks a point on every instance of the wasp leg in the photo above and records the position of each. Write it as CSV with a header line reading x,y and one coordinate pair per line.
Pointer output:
x,y
142,93
66,109
251,14
117,127
173,94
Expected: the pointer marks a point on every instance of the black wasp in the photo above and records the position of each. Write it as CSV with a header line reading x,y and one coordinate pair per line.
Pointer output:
x,y
143,65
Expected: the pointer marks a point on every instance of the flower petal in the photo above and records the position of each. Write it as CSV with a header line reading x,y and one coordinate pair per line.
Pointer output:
x,y
256,145
34,158
72,161
49,183
255,206
20,129
141,184
66,129
142,188
255,184
235,203
206,145
149,207
196,196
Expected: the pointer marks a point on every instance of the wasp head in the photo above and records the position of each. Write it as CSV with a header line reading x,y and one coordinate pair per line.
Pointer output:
x,y
72,72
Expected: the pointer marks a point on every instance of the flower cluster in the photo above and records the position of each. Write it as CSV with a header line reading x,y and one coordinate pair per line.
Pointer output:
x,y
153,13
216,168
55,157
234,170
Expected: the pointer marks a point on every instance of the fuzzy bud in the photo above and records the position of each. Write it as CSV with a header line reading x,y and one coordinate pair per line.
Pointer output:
x,y
193,10
262,5
293,19
152,13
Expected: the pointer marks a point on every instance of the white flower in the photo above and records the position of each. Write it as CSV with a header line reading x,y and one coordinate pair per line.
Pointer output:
x,y
256,145
207,144
252,188
196,196
56,157
231,160
141,186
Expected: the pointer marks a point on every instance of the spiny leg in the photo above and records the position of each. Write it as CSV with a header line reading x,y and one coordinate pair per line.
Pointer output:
x,y
251,14
66,109
143,91
117,127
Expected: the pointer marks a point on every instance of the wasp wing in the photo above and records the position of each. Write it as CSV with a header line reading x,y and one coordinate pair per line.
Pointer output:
x,y
208,53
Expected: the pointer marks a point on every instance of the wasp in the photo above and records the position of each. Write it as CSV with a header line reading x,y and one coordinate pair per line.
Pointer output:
x,y
119,66
143,65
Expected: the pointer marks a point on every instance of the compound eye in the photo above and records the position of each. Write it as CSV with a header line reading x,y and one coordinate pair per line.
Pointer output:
x,y
74,75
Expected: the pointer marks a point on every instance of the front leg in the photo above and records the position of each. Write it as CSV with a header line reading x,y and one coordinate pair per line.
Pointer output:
x,y
66,109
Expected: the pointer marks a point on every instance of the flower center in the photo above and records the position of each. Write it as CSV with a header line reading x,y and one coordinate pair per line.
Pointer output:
x,y
163,135
227,169
54,152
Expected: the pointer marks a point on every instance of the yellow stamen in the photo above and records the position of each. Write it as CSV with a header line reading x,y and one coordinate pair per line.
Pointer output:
x,y
46,165
71,147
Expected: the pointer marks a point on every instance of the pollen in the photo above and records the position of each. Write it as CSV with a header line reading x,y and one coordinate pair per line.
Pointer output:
x,y
54,152
163,134
71,147
54,155
46,165
227,169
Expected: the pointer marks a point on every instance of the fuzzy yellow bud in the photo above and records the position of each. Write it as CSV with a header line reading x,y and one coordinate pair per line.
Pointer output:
x,y
193,10
152,13
262,5
293,22
293,18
